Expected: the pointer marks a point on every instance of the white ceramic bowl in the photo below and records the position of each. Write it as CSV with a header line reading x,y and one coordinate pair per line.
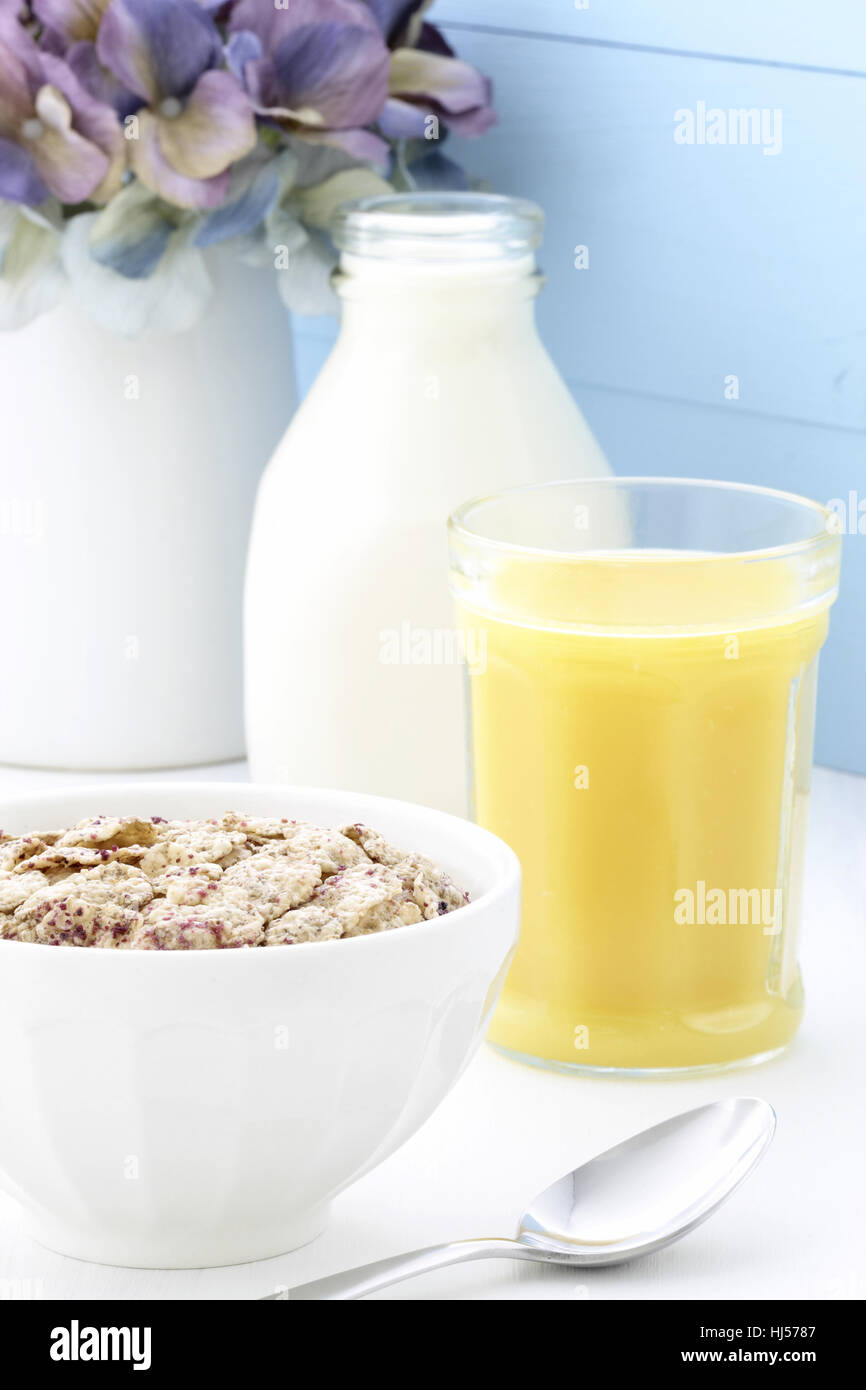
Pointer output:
x,y
183,1108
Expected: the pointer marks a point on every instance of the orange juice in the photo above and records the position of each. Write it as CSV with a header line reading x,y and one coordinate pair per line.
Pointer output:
x,y
641,734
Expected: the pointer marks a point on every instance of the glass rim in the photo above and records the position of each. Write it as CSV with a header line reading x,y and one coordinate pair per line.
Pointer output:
x,y
458,528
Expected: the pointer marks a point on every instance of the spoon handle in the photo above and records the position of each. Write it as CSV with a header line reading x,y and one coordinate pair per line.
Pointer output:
x,y
355,1283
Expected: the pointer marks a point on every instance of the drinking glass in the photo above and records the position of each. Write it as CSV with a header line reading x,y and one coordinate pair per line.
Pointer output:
x,y
641,709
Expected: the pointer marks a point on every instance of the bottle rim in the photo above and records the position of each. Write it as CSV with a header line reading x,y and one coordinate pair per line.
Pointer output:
x,y
438,227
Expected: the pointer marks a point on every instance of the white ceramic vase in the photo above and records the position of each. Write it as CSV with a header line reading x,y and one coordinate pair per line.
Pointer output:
x,y
128,471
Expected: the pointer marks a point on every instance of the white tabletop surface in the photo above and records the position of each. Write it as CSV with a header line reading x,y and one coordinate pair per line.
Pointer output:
x,y
797,1229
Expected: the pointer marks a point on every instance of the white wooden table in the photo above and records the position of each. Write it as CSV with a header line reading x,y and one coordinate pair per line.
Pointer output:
x,y
797,1229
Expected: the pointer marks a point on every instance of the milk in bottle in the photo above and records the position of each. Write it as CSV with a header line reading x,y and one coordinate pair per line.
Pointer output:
x,y
437,389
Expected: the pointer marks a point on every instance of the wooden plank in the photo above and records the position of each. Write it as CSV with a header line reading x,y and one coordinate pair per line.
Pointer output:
x,y
831,34
705,260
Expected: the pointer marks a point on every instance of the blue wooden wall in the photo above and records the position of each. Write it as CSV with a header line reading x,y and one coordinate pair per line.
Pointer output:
x,y
705,260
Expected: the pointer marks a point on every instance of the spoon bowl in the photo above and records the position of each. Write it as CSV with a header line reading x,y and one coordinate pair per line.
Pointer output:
x,y
651,1189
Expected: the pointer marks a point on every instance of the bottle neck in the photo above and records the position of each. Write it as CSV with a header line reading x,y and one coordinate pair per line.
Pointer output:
x,y
462,297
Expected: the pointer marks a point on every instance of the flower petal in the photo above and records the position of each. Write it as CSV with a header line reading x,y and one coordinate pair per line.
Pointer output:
x,y
400,120
19,180
242,48
170,300
73,19
273,22
152,167
255,187
96,121
317,162
318,204
446,85
16,39
305,282
16,104
70,166
215,128
337,71
132,233
322,56
82,59
31,275
362,145
122,49
53,109
158,48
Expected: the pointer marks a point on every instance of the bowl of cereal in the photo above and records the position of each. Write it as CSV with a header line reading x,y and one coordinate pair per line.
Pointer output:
x,y
216,1019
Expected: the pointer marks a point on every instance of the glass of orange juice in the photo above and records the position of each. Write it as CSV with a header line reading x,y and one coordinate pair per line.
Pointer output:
x,y
642,706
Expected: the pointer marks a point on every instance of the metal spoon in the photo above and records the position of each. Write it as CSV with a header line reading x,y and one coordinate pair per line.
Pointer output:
x,y
630,1200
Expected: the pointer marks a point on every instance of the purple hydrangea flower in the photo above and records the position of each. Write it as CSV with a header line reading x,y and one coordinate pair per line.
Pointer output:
x,y
318,69
70,28
134,133
55,137
194,120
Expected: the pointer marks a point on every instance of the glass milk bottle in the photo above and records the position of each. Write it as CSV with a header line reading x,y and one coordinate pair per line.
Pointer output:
x,y
438,388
